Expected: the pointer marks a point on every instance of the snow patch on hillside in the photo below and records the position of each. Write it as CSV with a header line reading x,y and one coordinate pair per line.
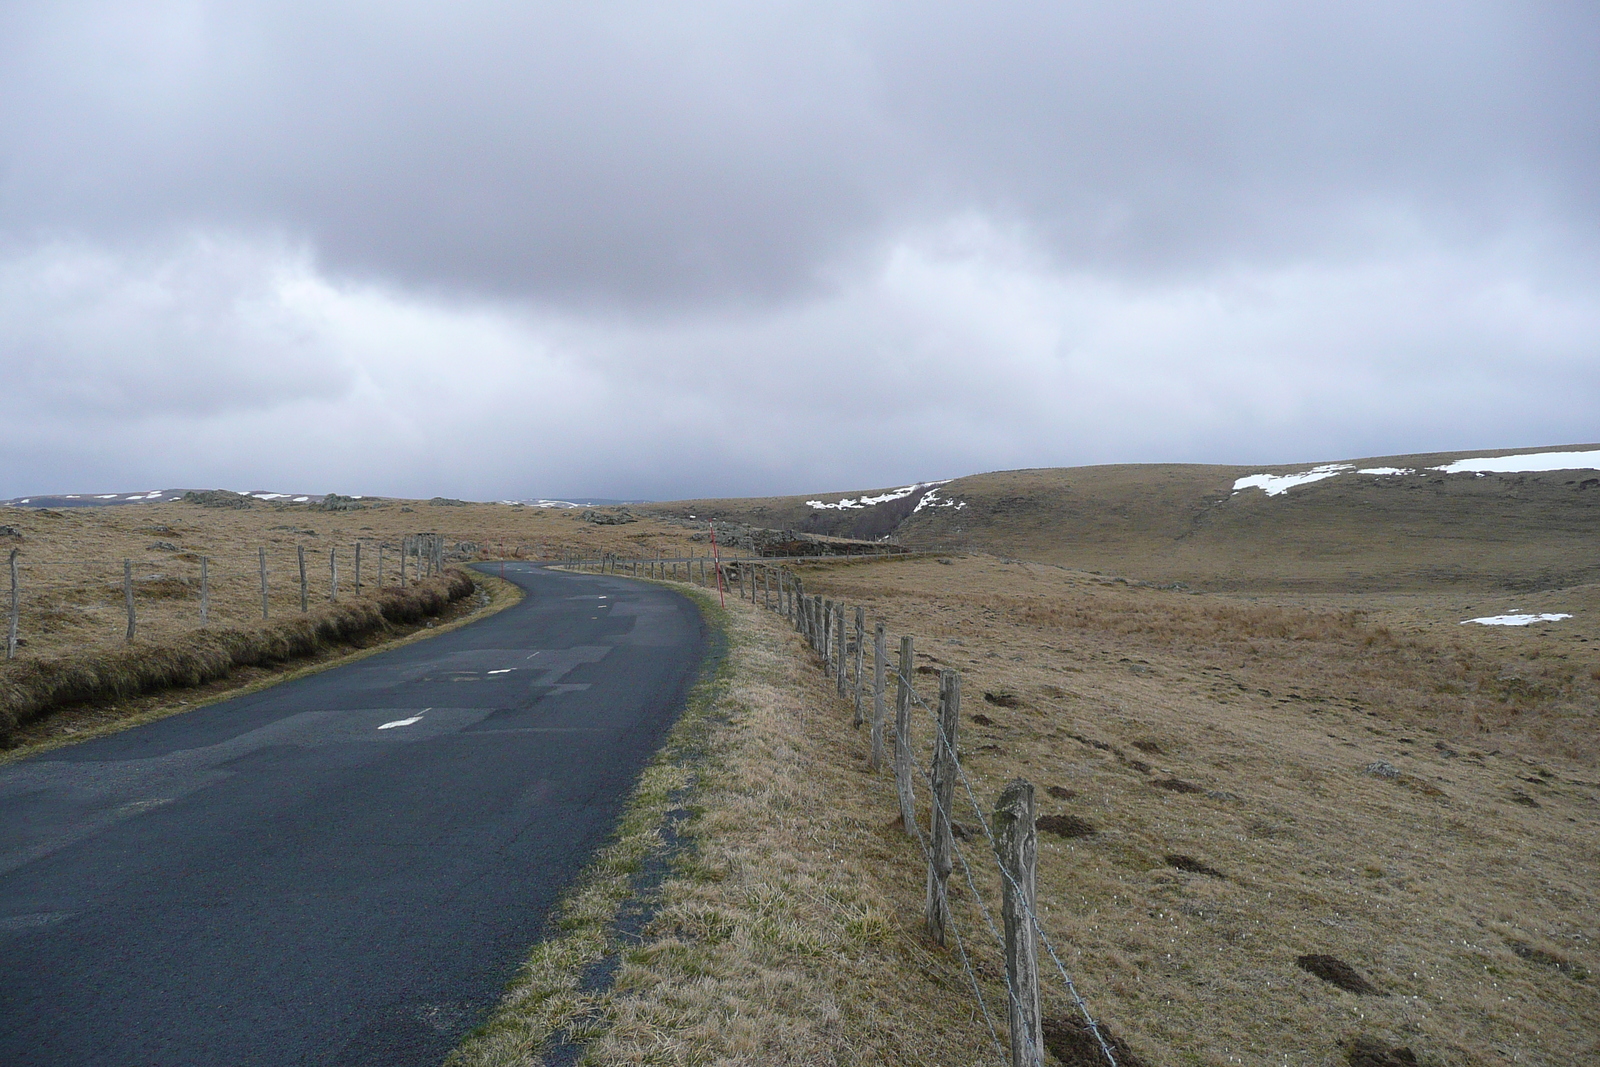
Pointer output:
x,y
851,503
931,499
1530,463
1517,620
1276,484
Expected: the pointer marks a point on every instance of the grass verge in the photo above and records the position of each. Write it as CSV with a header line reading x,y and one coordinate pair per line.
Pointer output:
x,y
759,903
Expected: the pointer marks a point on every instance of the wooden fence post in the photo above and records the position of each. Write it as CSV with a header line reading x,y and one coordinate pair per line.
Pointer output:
x,y
380,564
942,846
405,546
16,610
841,656
301,552
333,574
263,561
861,657
205,592
880,656
127,594
1017,849
358,568
902,736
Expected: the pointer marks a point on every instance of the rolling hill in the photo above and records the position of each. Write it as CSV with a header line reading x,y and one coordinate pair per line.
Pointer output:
x,y
1381,523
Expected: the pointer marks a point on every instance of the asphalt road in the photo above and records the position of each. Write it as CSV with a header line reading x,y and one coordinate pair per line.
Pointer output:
x,y
343,869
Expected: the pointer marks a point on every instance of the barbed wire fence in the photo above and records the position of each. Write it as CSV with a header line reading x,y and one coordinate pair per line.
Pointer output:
x,y
120,597
1009,829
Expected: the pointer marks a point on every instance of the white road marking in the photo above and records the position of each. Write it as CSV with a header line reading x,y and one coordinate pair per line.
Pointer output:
x,y
406,722
503,670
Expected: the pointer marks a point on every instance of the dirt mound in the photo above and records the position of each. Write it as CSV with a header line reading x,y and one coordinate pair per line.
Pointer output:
x,y
1337,971
1370,1052
1072,1043
1066,826
1192,865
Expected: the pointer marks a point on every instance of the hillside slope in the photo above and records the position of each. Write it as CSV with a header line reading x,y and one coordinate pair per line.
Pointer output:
x,y
1411,527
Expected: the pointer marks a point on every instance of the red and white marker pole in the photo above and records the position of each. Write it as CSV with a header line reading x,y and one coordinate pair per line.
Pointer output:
x,y
716,561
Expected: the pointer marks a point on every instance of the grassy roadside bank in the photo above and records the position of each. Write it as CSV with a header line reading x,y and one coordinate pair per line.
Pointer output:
x,y
1233,787
64,700
785,926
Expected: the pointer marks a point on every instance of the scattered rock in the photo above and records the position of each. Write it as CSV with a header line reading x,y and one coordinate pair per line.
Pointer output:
x,y
165,546
159,529
1381,769
1370,1052
1192,865
446,502
1003,699
948,562
1177,785
1336,971
335,502
10,531
616,517
218,498
1066,826
1222,794
1061,792
982,719
406,507
1073,1044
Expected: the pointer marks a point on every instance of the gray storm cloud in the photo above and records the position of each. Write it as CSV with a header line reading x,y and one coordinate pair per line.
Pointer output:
x,y
635,250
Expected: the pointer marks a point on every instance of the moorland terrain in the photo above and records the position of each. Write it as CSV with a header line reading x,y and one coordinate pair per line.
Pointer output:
x,y
1261,725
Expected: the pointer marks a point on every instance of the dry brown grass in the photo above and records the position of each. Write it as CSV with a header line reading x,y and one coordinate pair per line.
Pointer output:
x,y
71,559
1461,879
34,687
1230,788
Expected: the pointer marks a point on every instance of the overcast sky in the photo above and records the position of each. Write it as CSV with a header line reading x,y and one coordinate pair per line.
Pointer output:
x,y
660,250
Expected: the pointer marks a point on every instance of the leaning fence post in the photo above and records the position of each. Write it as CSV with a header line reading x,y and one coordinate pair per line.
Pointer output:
x,y
1017,849
827,636
861,657
842,650
301,552
879,657
127,593
333,574
358,568
902,737
205,592
16,610
941,856
263,560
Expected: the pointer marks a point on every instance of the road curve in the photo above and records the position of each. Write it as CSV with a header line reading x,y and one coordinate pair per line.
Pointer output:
x,y
343,869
